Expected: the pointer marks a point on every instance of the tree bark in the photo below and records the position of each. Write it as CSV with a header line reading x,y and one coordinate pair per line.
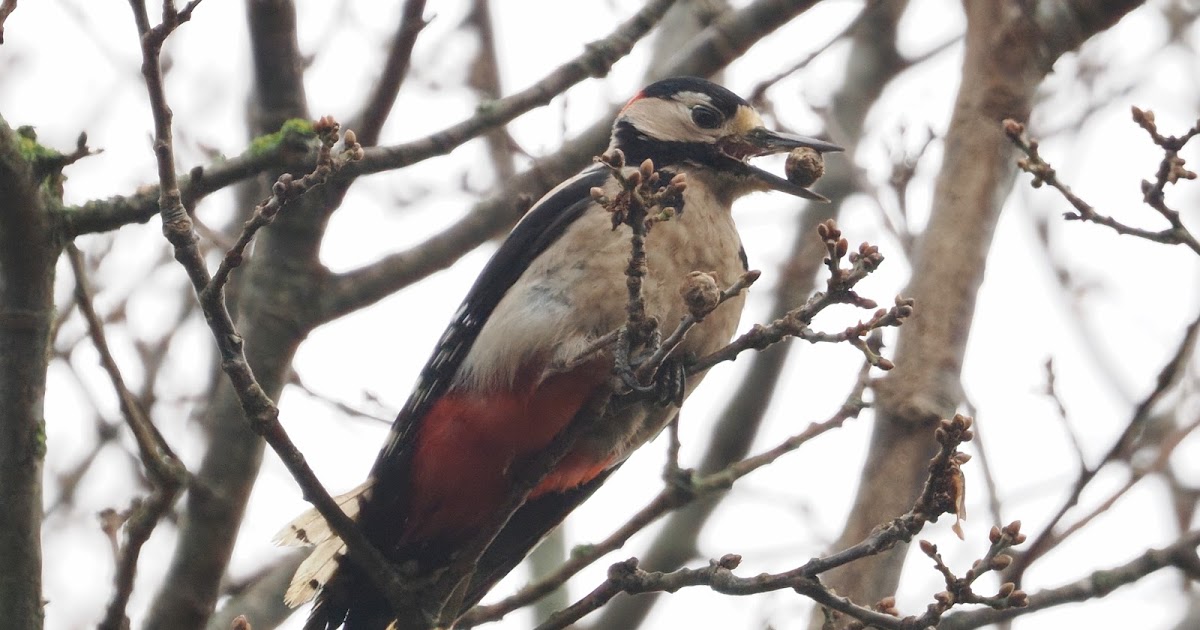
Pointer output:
x,y
872,64
1010,47
276,290
29,247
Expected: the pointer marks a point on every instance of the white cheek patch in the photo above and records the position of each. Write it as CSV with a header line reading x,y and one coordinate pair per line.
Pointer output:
x,y
666,120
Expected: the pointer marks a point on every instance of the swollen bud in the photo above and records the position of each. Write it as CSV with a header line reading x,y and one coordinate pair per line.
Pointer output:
x,y
804,166
647,168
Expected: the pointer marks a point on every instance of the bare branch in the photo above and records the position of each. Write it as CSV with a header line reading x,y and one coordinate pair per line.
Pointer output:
x,y
596,61
104,215
840,290
167,475
716,47
259,409
1168,377
1170,170
383,96
943,494
759,92
678,492
6,9
485,78
1181,554
285,189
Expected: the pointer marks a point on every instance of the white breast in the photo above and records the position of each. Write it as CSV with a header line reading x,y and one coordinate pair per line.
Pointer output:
x,y
575,291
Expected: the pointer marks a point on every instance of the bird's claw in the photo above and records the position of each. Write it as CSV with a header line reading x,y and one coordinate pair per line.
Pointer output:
x,y
667,387
630,380
671,382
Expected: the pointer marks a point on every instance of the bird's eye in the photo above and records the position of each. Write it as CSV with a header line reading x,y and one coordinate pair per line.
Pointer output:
x,y
706,117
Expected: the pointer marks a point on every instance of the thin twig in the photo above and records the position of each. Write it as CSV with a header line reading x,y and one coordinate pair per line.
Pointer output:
x,y
1159,464
985,467
1170,170
942,494
260,410
285,189
1052,392
165,472
382,417
484,77
1168,376
1180,554
395,69
839,290
760,90
681,491
595,61
695,316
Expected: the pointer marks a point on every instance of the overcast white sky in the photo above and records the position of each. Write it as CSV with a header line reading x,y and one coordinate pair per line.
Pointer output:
x,y
72,65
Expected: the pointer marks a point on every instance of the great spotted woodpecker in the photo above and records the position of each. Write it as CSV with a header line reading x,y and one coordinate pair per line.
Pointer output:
x,y
494,393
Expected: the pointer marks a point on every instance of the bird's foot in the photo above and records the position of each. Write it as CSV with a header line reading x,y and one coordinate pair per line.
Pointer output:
x,y
666,388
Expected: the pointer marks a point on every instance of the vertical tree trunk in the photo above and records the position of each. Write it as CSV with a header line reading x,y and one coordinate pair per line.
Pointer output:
x,y
1010,46
28,250
872,64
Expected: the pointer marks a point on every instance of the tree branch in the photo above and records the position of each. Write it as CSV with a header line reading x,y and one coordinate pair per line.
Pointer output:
x,y
943,494
1168,377
595,61
1007,53
29,247
715,48
370,122
260,410
1181,554
1170,171
678,492
166,473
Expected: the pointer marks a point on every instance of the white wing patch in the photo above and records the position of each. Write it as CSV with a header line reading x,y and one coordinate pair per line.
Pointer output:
x,y
308,529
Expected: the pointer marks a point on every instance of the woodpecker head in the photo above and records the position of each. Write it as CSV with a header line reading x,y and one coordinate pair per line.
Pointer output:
x,y
691,123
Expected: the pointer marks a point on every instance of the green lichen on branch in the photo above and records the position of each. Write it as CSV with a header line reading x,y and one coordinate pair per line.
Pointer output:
x,y
39,444
294,133
48,163
31,150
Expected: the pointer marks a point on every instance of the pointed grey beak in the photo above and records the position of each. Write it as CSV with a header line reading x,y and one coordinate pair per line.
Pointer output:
x,y
768,141
763,141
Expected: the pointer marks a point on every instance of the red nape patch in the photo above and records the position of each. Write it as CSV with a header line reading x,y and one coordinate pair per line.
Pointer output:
x,y
637,96
468,441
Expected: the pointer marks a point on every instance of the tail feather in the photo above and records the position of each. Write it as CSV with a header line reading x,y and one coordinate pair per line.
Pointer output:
x,y
349,600
310,527
346,598
315,572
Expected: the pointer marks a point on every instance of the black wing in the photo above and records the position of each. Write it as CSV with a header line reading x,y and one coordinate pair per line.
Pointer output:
x,y
527,527
349,598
